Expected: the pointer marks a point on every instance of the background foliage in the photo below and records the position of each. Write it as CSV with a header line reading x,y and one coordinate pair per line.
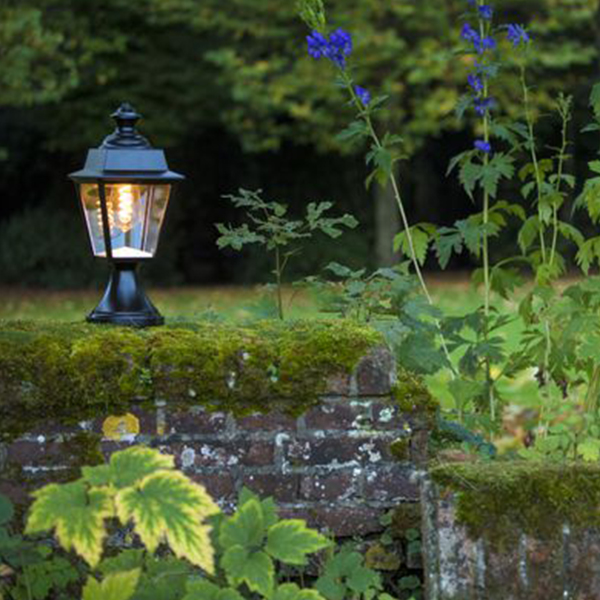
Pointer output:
x,y
228,89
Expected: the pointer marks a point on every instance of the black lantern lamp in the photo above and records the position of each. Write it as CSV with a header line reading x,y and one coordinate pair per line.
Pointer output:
x,y
124,190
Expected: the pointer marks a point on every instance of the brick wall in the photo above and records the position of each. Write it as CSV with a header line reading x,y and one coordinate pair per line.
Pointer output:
x,y
458,567
331,465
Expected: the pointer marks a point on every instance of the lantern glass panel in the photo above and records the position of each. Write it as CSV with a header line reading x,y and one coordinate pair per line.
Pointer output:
x,y
135,217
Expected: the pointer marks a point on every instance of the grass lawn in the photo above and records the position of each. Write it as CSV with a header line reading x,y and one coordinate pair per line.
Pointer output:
x,y
451,292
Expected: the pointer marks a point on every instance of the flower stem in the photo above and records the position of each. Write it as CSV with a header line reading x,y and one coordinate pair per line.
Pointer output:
x,y
485,242
398,197
534,159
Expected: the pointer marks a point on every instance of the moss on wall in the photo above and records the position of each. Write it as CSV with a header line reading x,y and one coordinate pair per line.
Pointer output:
x,y
498,500
73,371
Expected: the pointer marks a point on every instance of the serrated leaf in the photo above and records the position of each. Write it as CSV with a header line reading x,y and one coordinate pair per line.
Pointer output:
x,y
421,238
167,506
269,508
291,540
128,467
356,129
448,240
118,586
246,527
77,515
469,174
255,569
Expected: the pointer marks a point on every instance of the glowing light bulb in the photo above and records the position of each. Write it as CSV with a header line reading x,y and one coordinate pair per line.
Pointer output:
x,y
125,207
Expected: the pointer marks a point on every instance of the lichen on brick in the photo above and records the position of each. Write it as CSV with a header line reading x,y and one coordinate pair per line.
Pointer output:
x,y
72,372
500,500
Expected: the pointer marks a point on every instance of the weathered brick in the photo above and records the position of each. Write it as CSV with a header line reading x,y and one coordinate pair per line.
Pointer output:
x,y
283,488
386,416
267,422
335,451
230,453
221,486
390,484
374,371
195,421
340,521
332,486
38,453
338,414
583,563
545,573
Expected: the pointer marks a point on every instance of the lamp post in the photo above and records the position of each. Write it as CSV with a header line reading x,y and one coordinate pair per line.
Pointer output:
x,y
124,191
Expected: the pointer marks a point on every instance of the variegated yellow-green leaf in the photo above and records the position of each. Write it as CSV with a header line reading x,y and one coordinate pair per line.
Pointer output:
x,y
76,513
128,467
245,528
167,507
291,540
118,586
290,591
205,590
255,569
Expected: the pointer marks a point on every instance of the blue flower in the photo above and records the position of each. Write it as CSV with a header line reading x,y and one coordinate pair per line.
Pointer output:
x,y
488,43
483,105
340,47
317,44
517,34
475,83
337,48
363,95
486,12
469,34
483,146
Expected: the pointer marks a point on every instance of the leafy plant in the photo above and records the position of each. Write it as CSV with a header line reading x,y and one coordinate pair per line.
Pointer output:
x,y
269,226
30,570
247,555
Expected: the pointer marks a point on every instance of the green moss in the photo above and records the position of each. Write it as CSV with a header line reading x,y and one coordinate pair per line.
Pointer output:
x,y
413,397
404,517
73,371
400,448
497,500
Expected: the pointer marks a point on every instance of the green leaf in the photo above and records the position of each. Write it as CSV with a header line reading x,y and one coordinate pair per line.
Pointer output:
x,y
291,540
421,237
118,586
469,175
268,506
205,590
128,467
356,129
571,233
167,506
500,166
448,240
245,527
77,515
290,591
528,233
255,569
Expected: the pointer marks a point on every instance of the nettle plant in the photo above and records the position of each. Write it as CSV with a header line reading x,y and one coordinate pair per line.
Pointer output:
x,y
186,549
553,346
269,226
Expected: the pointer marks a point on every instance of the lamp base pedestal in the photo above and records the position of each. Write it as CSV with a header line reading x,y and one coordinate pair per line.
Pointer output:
x,y
125,302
